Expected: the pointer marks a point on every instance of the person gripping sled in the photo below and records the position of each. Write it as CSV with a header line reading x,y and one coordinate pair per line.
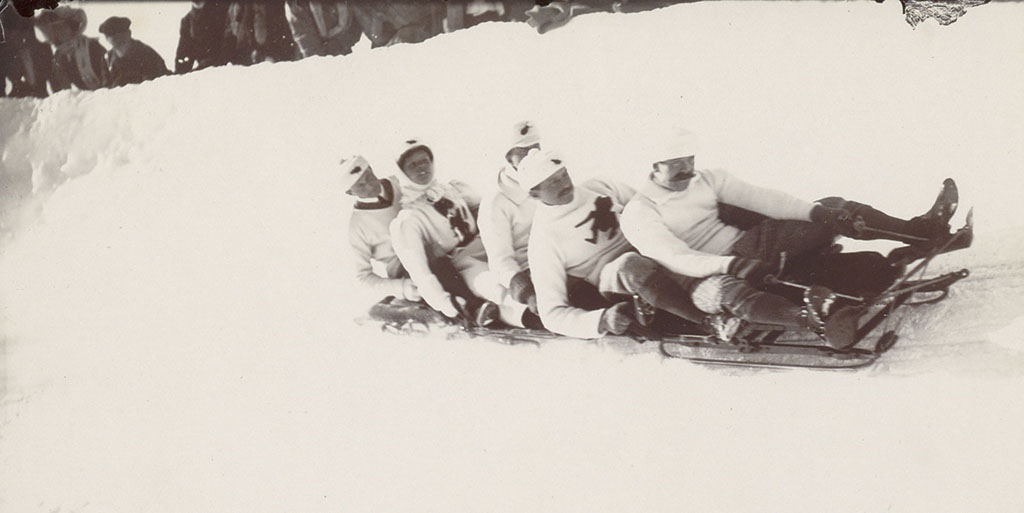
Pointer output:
x,y
506,217
377,203
567,261
435,237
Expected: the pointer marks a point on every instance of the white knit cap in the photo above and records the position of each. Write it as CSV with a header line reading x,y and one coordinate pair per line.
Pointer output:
x,y
407,146
677,143
524,133
351,169
538,166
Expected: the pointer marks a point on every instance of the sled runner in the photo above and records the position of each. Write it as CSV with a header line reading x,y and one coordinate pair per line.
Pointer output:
x,y
875,320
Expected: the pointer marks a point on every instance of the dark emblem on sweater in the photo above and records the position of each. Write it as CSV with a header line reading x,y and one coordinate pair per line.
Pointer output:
x,y
457,219
602,219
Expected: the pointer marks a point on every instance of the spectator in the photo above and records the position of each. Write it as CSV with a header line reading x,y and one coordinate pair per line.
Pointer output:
x,y
259,32
23,59
322,28
389,23
202,40
77,60
466,13
129,61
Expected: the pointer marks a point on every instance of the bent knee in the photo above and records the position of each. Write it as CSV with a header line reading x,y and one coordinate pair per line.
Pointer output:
x,y
636,270
852,207
833,202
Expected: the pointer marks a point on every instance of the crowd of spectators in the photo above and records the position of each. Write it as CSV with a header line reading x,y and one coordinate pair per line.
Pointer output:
x,y
221,32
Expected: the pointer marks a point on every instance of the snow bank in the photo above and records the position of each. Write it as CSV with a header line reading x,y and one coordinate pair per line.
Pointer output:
x,y
177,311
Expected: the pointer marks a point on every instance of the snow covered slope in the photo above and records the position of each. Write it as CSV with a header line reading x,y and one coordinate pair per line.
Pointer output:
x,y
177,305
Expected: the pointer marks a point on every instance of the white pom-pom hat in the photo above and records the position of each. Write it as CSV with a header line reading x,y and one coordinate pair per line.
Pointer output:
x,y
524,133
537,166
677,143
351,169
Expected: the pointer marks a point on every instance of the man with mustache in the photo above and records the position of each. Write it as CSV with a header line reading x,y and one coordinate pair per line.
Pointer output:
x,y
677,220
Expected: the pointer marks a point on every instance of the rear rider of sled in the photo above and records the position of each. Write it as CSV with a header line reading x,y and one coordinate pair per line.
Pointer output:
x,y
377,203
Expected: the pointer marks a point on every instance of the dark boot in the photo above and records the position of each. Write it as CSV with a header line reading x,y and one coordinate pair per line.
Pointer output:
x,y
532,321
838,329
961,239
486,314
472,308
922,230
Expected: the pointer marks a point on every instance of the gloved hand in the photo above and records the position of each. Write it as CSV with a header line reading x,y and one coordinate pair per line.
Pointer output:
x,y
616,319
410,291
751,269
836,218
521,287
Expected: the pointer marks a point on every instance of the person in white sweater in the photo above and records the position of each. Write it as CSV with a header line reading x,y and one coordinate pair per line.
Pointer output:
x,y
506,217
436,238
676,220
377,203
576,239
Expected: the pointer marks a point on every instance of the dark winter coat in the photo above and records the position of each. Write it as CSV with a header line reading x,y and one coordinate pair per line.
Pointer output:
x,y
24,61
336,33
201,38
87,73
259,32
392,22
139,63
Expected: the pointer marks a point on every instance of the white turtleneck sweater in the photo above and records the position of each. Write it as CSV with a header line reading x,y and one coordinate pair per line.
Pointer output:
x,y
558,248
681,229
505,221
371,241
435,220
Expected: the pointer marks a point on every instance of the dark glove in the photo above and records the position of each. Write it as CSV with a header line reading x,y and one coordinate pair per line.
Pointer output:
x,y
753,270
616,319
837,219
521,287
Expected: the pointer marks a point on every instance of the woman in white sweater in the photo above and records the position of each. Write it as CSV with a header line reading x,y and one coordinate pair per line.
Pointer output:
x,y
435,236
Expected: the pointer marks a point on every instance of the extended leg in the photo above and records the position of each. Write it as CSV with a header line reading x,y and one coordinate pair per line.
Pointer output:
x,y
771,237
919,230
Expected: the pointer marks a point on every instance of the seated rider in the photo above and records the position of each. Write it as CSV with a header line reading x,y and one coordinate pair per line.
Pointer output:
x,y
675,219
506,217
575,244
377,203
435,237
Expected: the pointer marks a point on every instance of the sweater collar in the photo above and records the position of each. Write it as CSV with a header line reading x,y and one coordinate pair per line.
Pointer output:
x,y
385,200
412,191
510,187
659,195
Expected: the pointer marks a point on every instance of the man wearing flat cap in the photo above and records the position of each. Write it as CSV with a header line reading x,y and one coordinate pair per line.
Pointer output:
x,y
129,61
